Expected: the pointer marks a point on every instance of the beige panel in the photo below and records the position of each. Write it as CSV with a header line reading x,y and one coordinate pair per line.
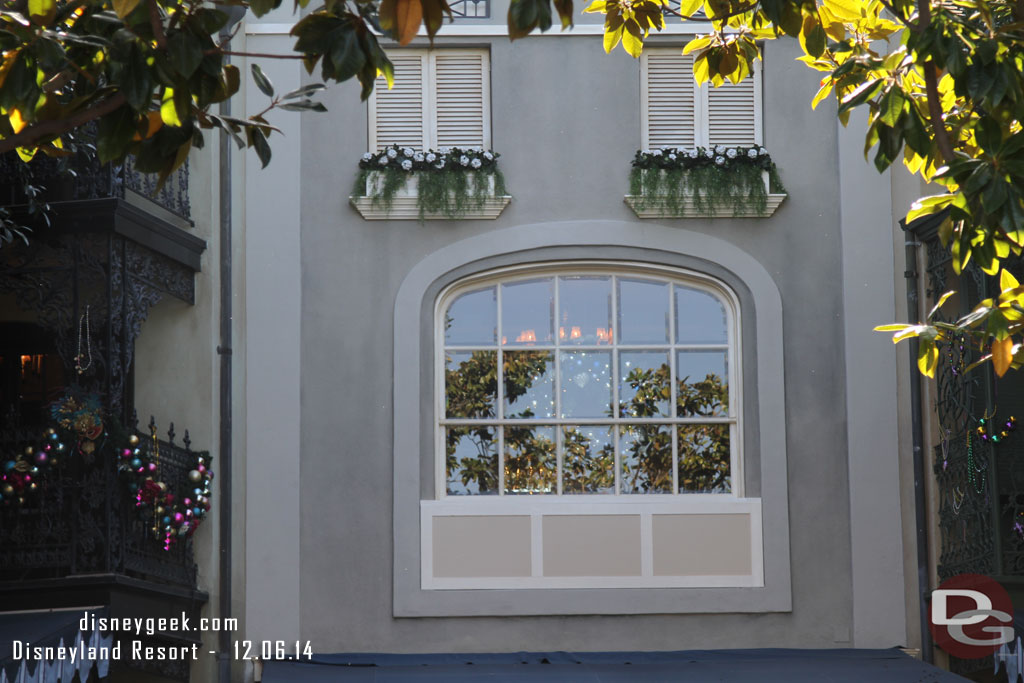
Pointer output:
x,y
591,545
482,545
702,545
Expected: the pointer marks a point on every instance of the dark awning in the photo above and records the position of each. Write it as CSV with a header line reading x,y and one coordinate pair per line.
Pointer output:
x,y
724,666
22,632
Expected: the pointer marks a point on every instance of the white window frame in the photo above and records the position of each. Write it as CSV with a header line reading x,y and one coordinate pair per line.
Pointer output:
x,y
701,129
428,63
683,277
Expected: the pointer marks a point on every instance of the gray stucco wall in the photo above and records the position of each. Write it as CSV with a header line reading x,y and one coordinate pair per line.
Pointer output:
x,y
565,118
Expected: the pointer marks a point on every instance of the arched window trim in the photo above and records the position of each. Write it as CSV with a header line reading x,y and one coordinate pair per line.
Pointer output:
x,y
669,274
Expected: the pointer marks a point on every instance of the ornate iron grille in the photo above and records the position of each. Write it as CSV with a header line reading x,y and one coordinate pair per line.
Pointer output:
x,y
83,519
82,176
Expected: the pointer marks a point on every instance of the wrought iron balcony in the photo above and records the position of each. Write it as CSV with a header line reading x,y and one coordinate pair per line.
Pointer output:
x,y
82,177
82,518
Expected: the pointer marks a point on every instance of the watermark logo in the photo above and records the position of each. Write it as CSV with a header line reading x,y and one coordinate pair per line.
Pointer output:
x,y
971,616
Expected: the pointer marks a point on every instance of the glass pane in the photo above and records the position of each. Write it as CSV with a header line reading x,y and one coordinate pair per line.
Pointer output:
x,y
646,452
588,459
527,312
472,319
700,317
470,384
703,387
531,465
585,305
643,312
704,459
644,384
586,384
471,461
528,381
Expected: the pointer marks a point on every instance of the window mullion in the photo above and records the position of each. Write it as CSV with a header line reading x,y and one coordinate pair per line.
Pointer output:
x,y
673,384
499,372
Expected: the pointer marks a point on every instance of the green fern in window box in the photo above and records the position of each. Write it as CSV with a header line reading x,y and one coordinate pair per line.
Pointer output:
x,y
671,180
450,181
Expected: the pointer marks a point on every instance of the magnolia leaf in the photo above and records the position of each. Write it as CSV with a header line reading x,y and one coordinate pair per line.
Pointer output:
x,y
408,16
892,327
689,7
927,357
698,43
823,92
262,82
1007,280
938,304
1002,355
168,112
42,12
928,205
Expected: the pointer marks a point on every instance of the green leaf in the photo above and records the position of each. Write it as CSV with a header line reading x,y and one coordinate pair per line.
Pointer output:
x,y
347,55
114,134
259,142
262,82
261,7
186,53
927,357
42,12
928,205
864,92
938,304
303,105
304,91
891,106
135,80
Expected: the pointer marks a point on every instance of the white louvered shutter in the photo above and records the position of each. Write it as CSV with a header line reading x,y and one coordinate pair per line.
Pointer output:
x,y
669,90
461,99
731,119
398,113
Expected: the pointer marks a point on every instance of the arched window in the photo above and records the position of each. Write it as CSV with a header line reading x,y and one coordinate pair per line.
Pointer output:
x,y
588,380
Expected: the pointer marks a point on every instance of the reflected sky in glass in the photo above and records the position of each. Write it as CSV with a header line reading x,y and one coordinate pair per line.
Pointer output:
x,y
529,390
585,306
644,383
472,319
527,312
472,452
643,312
586,386
700,317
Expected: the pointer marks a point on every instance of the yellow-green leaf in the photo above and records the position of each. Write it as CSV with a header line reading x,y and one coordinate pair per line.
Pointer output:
x,y
168,112
928,205
612,38
698,43
823,92
124,7
596,7
42,12
938,304
927,358
689,7
1007,280
892,327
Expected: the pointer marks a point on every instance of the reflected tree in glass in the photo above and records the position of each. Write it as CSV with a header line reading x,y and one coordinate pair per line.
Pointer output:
x,y
588,463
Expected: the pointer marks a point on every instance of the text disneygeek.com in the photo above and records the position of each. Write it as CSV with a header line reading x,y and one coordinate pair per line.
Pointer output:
x,y
127,648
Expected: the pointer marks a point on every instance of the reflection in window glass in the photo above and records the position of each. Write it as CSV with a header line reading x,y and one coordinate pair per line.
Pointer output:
x,y
543,396
704,458
703,387
470,384
529,390
588,459
585,310
472,319
471,461
643,311
700,317
646,452
644,386
586,387
527,312
531,460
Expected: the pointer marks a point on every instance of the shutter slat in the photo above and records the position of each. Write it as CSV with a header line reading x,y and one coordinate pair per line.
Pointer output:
x,y
460,103
731,114
400,109
670,102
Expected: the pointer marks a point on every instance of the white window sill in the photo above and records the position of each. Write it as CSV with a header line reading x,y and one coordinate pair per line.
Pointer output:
x,y
689,209
407,209
524,542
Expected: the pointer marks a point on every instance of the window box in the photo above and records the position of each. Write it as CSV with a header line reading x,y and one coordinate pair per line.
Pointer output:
x,y
718,182
450,184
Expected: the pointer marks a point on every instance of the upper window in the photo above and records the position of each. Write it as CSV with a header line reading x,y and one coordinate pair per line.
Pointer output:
x,y
591,381
440,98
677,113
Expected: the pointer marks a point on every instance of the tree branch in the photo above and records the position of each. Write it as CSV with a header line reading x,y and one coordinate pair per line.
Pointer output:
x,y
158,25
261,55
931,85
32,134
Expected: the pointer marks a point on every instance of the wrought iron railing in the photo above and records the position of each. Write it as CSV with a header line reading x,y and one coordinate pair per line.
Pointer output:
x,y
470,9
82,176
82,519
